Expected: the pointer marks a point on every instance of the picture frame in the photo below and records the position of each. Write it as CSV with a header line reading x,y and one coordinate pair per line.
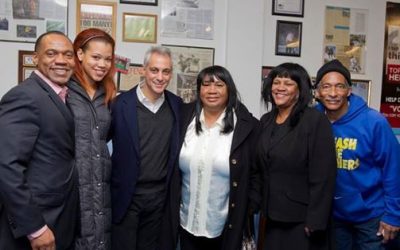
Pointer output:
x,y
288,38
139,28
95,14
24,21
293,8
188,61
25,64
362,88
129,80
265,71
141,2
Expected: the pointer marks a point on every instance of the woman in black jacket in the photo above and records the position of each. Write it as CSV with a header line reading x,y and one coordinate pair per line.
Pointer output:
x,y
209,193
296,155
90,93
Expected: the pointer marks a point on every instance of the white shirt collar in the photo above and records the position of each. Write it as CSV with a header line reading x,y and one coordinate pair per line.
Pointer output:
x,y
152,106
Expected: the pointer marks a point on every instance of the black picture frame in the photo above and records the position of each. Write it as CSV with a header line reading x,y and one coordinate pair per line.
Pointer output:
x,y
288,38
152,2
293,8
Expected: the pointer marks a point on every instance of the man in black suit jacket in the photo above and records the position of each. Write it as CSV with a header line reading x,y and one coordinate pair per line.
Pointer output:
x,y
145,138
38,198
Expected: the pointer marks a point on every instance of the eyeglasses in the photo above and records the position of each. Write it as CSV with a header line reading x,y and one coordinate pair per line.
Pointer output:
x,y
326,87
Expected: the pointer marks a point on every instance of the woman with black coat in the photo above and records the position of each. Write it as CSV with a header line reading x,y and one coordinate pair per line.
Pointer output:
x,y
296,155
211,186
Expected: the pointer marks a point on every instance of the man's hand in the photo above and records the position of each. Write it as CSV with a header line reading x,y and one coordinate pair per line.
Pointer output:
x,y
45,241
387,231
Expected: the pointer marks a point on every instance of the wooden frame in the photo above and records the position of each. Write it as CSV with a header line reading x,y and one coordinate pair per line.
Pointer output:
x,y
139,28
127,81
288,38
94,14
25,64
288,8
362,88
25,21
141,2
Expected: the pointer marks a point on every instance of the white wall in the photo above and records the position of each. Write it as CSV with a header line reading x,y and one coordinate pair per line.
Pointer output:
x,y
244,41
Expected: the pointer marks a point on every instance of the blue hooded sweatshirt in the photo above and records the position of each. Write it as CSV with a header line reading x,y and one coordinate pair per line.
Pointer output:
x,y
368,162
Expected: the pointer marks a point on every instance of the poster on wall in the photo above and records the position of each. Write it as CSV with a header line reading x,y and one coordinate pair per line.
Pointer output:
x,y
26,20
345,37
188,61
390,99
187,19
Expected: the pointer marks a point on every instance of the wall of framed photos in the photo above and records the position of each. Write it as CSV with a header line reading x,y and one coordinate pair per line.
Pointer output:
x,y
244,40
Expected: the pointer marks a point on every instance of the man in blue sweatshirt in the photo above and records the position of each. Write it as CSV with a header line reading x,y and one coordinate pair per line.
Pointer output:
x,y
367,197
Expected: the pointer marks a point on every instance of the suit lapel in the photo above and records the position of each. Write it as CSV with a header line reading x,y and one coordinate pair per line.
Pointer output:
x,y
61,106
242,129
130,117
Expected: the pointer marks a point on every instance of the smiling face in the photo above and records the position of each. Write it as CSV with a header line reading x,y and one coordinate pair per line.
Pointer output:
x,y
157,73
332,92
55,58
285,92
213,94
96,60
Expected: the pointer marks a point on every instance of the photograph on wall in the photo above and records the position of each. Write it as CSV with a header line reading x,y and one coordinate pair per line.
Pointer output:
x,y
288,38
187,19
26,20
94,14
140,28
345,37
361,88
128,80
390,96
188,62
288,8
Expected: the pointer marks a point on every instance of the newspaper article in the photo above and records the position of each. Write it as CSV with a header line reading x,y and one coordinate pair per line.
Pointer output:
x,y
345,37
188,19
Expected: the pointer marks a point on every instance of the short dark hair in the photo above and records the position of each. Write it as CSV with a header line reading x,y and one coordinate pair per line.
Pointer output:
x,y
299,75
53,32
222,74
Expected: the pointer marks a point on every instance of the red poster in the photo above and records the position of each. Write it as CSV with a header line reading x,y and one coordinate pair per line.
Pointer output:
x,y
390,99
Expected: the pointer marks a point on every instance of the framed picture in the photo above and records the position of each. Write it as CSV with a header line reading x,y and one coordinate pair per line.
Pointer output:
x,y
140,28
94,14
362,88
288,7
25,64
141,2
288,38
188,61
131,78
265,71
26,20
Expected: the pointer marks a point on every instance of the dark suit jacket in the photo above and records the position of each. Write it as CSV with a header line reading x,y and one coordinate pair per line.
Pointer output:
x,y
299,170
126,152
37,175
241,174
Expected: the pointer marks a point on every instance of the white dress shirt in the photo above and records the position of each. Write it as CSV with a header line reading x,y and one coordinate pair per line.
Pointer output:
x,y
152,106
204,163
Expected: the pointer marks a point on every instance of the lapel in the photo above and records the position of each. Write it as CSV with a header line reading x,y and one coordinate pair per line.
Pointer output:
x,y
268,126
130,116
242,129
61,106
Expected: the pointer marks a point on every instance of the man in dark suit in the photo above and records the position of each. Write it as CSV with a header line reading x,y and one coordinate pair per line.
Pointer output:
x,y
38,198
144,131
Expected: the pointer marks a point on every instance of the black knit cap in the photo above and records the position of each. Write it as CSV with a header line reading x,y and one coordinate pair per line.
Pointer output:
x,y
333,66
